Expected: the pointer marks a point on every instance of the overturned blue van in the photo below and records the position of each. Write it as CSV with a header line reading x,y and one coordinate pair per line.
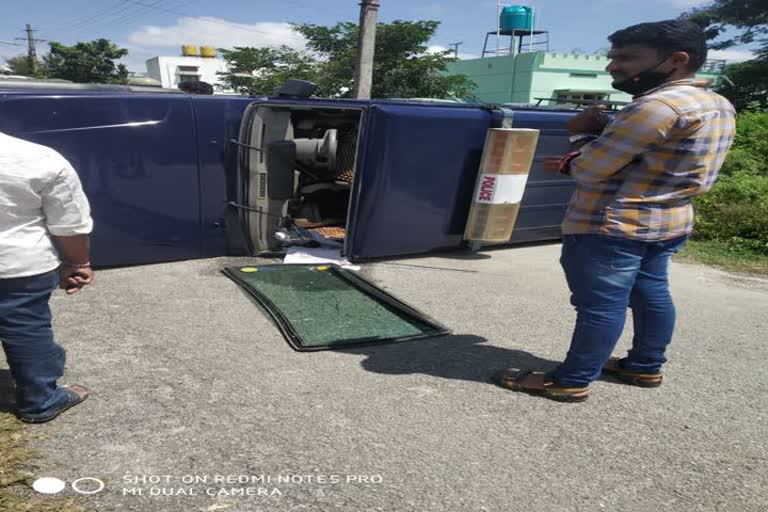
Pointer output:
x,y
172,176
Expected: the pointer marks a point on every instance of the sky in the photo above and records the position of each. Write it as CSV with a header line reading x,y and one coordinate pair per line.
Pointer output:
x,y
150,28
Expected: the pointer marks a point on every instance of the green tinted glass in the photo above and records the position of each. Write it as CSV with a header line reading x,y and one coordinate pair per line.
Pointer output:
x,y
323,306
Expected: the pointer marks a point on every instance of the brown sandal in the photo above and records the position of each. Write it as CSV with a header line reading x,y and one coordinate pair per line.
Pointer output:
x,y
75,394
539,383
643,380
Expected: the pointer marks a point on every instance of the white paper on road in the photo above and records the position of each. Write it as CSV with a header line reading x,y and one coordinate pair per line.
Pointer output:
x,y
317,255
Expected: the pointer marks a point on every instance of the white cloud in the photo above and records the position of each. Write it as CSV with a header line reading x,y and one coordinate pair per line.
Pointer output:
x,y
688,4
151,40
436,49
730,55
217,32
462,55
138,57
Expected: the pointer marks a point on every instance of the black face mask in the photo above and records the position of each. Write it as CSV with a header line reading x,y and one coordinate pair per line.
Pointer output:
x,y
643,81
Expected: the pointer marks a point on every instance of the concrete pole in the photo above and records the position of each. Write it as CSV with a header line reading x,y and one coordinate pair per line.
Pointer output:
x,y
32,50
366,44
498,28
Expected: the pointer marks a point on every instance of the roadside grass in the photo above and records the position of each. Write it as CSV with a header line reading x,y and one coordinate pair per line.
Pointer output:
x,y
16,494
718,254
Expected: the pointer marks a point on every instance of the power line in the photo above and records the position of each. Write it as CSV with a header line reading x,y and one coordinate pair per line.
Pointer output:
x,y
177,3
286,2
116,9
80,19
117,15
135,7
132,15
126,10
208,19
109,18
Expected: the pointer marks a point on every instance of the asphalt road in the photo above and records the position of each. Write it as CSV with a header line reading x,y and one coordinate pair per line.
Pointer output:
x,y
197,395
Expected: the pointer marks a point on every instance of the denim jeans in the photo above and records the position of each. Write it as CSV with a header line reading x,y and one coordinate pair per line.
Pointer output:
x,y
606,275
36,361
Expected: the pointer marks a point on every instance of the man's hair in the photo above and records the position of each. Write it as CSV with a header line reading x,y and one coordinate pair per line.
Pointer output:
x,y
667,37
196,87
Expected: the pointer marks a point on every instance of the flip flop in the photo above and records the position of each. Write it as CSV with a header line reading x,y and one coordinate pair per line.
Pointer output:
x,y
73,398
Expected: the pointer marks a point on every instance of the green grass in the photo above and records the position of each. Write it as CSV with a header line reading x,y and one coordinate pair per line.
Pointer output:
x,y
16,494
720,255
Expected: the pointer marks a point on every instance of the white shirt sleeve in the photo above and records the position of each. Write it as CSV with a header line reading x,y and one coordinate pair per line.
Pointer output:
x,y
66,208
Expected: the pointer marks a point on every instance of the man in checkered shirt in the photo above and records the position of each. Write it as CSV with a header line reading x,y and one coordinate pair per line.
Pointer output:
x,y
631,210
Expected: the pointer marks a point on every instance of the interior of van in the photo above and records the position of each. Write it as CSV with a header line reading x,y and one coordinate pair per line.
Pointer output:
x,y
298,173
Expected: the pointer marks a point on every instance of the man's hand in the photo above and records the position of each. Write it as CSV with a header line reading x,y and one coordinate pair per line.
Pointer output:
x,y
75,270
551,163
589,120
72,279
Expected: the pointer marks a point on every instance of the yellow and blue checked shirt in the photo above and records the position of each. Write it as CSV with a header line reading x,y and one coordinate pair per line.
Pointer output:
x,y
637,179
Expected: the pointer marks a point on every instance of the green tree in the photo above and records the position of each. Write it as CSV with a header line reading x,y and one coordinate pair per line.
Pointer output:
x,y
259,71
21,65
750,17
402,66
735,211
87,62
748,87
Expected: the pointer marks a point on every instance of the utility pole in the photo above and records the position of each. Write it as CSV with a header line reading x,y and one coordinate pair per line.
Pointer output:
x,y
456,48
366,44
498,28
31,45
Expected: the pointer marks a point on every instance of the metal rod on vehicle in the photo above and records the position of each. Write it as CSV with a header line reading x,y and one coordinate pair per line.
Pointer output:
x,y
238,143
248,208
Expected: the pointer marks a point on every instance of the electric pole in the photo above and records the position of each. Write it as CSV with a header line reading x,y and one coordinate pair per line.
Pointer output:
x,y
31,45
366,44
456,48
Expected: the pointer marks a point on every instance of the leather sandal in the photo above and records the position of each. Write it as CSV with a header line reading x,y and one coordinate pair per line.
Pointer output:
x,y
75,394
541,384
643,380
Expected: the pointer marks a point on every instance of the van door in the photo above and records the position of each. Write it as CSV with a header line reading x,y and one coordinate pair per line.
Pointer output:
x,y
417,166
260,207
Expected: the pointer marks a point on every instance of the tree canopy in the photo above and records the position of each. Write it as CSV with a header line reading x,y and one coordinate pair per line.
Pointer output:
x,y
403,66
22,65
749,80
747,86
86,62
749,17
259,71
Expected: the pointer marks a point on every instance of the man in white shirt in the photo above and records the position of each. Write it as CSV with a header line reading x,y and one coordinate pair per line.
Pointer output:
x,y
45,223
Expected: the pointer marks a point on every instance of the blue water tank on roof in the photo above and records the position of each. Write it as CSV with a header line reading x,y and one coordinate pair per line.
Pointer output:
x,y
516,17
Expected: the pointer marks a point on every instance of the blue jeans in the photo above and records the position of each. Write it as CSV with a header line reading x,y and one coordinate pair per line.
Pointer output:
x,y
35,359
606,275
